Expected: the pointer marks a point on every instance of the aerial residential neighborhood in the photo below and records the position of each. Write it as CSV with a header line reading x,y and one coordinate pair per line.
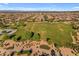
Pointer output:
x,y
39,33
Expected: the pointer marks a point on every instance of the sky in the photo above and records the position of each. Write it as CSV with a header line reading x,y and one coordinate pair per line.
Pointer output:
x,y
40,6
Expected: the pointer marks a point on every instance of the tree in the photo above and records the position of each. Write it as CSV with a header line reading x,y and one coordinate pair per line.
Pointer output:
x,y
32,33
75,25
47,39
46,17
11,36
53,53
17,38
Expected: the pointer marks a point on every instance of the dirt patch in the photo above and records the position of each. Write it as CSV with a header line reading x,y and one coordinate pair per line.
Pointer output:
x,y
66,51
60,28
43,33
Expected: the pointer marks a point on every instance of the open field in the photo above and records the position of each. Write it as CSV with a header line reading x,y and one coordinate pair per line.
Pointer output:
x,y
59,33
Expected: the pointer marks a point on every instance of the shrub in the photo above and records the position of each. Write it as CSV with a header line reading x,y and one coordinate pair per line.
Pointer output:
x,y
11,36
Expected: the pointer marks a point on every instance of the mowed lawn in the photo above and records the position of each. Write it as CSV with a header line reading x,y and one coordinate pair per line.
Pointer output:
x,y
59,33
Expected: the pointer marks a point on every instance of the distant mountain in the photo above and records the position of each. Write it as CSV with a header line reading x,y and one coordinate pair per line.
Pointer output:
x,y
22,11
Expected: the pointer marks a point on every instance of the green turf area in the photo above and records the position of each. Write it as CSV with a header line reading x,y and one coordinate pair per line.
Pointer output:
x,y
24,52
22,34
54,32
44,47
4,37
59,33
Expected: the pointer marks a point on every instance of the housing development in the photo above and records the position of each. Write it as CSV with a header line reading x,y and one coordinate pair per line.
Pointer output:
x,y
39,33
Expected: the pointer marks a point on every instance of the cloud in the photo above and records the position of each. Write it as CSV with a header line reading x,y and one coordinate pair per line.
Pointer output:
x,y
75,8
5,3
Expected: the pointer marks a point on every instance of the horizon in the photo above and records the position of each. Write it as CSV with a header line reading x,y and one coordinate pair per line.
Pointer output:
x,y
40,6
